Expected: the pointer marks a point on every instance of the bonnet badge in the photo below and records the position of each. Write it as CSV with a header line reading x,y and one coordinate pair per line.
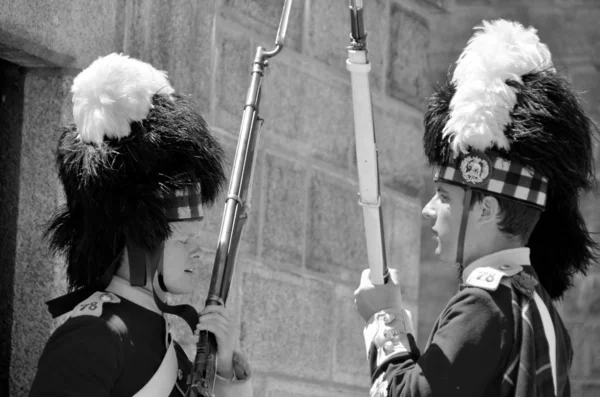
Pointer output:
x,y
475,168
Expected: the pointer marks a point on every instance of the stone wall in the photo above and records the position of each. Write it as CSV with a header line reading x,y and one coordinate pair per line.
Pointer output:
x,y
303,247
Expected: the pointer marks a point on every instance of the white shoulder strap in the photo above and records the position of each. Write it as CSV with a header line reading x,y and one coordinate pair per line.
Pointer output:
x,y
162,382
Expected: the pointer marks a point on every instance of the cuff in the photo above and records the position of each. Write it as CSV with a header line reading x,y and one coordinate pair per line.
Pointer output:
x,y
388,330
239,385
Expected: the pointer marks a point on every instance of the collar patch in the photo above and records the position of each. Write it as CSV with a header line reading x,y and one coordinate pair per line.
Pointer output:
x,y
489,277
92,306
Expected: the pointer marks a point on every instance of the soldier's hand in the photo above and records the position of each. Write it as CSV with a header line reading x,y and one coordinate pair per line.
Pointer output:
x,y
216,319
370,299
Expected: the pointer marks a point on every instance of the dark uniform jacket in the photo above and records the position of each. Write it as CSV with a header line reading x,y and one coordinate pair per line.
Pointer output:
x,y
498,336
111,346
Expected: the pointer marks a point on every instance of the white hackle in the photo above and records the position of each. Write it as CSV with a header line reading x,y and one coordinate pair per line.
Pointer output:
x,y
112,92
480,109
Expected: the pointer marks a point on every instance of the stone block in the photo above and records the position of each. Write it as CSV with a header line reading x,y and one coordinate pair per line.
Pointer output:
x,y
63,33
585,346
278,387
45,99
586,79
262,16
309,113
175,37
570,307
350,365
589,297
401,158
405,248
285,210
287,325
336,231
377,26
408,65
585,388
284,87
328,32
234,64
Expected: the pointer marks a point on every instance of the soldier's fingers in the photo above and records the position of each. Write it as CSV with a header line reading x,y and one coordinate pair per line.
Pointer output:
x,y
215,309
216,318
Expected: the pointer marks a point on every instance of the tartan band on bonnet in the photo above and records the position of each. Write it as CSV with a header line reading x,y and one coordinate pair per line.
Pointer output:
x,y
491,173
184,204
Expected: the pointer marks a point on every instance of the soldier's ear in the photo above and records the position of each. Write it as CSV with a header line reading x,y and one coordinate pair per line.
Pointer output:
x,y
489,210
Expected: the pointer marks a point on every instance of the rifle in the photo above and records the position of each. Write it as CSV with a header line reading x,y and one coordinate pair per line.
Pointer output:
x,y
235,214
366,149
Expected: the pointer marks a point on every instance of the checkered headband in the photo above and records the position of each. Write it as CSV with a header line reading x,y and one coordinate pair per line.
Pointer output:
x,y
184,204
491,173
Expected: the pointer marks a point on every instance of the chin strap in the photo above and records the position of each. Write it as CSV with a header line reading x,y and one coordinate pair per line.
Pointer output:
x,y
159,290
186,312
460,247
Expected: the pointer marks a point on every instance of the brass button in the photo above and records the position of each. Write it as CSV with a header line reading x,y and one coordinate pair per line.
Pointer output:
x,y
388,347
105,297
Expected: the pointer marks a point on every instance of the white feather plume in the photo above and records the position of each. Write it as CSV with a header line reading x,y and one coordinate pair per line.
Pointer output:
x,y
480,109
112,92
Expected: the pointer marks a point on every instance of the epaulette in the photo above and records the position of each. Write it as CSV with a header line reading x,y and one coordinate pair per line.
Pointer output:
x,y
92,306
490,277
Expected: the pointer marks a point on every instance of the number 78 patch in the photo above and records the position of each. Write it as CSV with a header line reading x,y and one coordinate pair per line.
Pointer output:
x,y
489,278
92,306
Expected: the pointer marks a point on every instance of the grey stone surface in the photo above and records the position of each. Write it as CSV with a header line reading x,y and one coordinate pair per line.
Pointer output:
x,y
401,157
377,23
336,232
286,323
234,64
283,117
405,249
263,16
350,365
285,210
65,33
321,125
328,32
408,65
44,109
184,49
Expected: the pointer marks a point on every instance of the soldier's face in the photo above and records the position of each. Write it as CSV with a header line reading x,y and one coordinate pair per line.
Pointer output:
x,y
182,256
444,210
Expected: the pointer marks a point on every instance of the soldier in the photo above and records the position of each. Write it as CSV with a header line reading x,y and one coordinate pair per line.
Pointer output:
x,y
512,148
137,166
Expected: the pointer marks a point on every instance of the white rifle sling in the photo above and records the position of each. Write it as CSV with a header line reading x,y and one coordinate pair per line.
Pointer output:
x,y
366,158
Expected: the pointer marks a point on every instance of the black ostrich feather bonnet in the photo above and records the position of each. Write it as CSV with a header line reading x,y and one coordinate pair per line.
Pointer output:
x,y
508,125
135,146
